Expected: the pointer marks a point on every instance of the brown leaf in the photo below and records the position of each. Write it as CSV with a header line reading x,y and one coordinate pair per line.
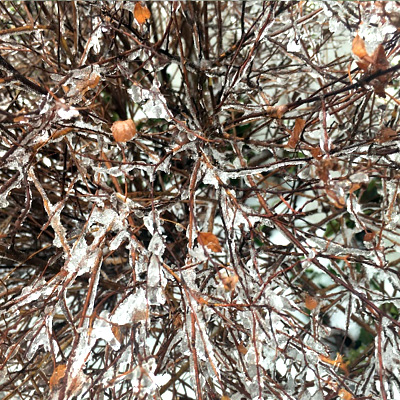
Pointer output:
x,y
386,135
358,47
369,237
177,321
310,302
209,240
363,65
337,199
242,348
117,333
316,152
354,187
230,282
58,374
296,131
276,111
380,63
141,13
379,59
123,131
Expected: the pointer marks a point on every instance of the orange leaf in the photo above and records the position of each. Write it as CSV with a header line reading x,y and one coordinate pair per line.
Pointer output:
x,y
298,128
141,13
123,131
58,374
310,302
242,349
117,333
337,362
210,241
358,47
202,300
345,395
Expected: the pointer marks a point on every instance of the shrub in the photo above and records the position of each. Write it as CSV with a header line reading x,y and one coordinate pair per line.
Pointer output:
x,y
199,200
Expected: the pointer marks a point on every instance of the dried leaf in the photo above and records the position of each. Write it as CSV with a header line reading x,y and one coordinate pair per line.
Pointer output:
x,y
337,198
363,65
242,348
298,128
379,88
358,47
230,282
380,63
337,362
277,111
386,134
209,240
369,237
310,302
345,395
141,13
58,374
354,187
20,118
224,397
117,333
177,321
379,59
316,152
61,132
89,83
123,131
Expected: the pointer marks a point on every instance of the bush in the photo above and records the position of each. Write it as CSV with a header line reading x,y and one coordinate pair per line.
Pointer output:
x,y
199,200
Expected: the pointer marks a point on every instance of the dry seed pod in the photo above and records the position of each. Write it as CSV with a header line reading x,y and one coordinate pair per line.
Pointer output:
x,y
123,131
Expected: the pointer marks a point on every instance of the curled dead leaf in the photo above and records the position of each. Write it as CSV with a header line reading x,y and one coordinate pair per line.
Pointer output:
x,y
177,321
369,236
363,65
57,375
123,131
379,59
141,13
117,333
296,131
345,395
230,282
242,348
316,152
386,134
336,196
380,63
358,47
276,111
310,302
209,240
337,362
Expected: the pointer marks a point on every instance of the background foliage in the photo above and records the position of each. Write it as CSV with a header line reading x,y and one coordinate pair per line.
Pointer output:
x,y
240,241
